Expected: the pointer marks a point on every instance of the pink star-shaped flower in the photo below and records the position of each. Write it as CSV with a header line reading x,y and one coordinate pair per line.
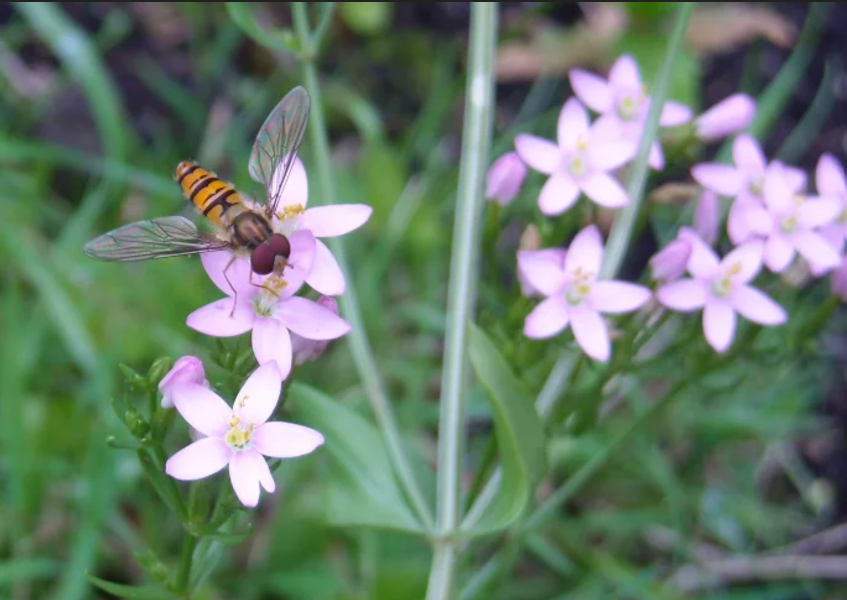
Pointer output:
x,y
575,297
831,183
238,437
722,289
623,103
579,162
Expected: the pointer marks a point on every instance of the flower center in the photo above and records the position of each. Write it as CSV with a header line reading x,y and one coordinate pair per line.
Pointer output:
x,y
757,186
788,224
288,218
842,218
721,286
577,165
630,103
264,303
238,436
579,288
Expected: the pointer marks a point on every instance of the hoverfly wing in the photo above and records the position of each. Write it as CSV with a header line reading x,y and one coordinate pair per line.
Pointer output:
x,y
156,238
275,149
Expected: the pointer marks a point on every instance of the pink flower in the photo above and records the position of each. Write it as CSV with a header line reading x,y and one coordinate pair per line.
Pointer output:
x,y
325,275
268,306
706,217
838,280
188,369
721,289
556,257
579,162
831,183
238,437
623,103
505,178
575,297
304,349
788,224
670,263
728,116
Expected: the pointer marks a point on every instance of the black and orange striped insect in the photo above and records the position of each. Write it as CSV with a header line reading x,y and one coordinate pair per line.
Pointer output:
x,y
244,229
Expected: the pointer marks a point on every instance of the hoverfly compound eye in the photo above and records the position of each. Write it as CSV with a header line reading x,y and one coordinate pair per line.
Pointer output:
x,y
262,259
280,244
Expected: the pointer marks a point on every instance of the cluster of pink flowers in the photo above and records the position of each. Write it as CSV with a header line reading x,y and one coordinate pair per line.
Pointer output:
x,y
286,329
772,219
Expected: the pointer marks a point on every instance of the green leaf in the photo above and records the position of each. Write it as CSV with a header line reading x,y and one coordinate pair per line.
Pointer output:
x,y
19,570
165,486
519,432
242,15
362,488
132,592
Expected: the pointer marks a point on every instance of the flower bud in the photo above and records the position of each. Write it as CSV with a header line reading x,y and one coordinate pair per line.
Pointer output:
x,y
304,350
553,255
706,217
670,263
158,370
728,116
505,178
188,369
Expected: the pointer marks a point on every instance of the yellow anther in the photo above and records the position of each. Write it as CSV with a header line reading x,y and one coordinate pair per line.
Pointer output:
x,y
291,211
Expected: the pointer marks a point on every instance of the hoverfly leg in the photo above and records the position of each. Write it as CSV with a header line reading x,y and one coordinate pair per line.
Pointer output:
x,y
232,287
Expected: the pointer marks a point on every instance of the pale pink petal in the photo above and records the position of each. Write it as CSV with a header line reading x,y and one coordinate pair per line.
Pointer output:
x,y
795,177
591,333
674,114
286,440
238,273
202,408
834,234
592,90
542,273
266,478
671,261
505,178
585,252
737,225
778,253
817,213
744,262
656,160
815,249
726,117
829,176
777,192
838,281
259,395
554,256
187,369
703,263
244,474
617,296
756,306
758,220
326,276
272,342
300,262
204,457
603,189
336,219
558,194
707,217
719,324
540,154
721,179
311,320
685,295
547,319
296,190
214,319
624,74
609,128
573,123
608,155
748,155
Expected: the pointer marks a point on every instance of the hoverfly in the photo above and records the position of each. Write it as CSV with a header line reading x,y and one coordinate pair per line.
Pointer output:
x,y
245,231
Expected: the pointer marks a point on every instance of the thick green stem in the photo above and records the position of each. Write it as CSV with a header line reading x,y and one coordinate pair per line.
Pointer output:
x,y
349,304
476,143
186,558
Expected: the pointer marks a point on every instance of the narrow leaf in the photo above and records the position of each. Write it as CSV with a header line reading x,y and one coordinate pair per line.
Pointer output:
x,y
132,592
165,486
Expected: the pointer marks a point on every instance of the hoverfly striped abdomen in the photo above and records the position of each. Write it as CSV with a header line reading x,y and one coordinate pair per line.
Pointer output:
x,y
212,196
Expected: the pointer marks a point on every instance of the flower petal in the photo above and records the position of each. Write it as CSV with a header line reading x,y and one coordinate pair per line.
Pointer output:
x,y
815,249
591,333
778,253
547,319
744,261
719,324
541,271
756,306
757,219
585,252
244,474
573,122
214,319
204,410
795,177
671,261
817,213
238,273
777,192
200,459
617,296
286,440
748,155
326,276
707,217
656,160
685,295
334,220
272,343
703,263
721,179
624,73
310,320
674,114
608,155
726,117
738,225
558,194
259,395
300,262
829,176
296,190
505,178
542,155
592,90
603,189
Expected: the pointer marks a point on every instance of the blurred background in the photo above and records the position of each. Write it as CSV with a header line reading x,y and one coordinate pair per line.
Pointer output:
x,y
98,103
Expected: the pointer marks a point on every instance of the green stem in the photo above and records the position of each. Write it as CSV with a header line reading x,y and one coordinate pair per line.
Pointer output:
x,y
476,143
359,345
186,558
